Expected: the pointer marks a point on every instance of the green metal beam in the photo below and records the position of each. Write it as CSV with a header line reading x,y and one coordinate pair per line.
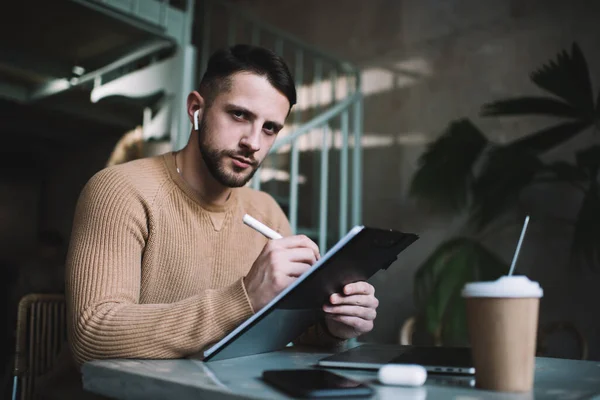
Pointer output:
x,y
295,161
317,121
357,113
343,221
60,85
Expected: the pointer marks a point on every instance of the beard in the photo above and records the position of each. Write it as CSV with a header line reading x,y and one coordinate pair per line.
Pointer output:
x,y
215,160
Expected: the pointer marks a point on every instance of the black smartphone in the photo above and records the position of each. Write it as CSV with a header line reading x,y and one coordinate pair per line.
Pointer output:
x,y
315,383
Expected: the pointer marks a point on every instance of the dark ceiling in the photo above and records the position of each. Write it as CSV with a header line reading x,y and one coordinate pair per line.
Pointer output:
x,y
40,42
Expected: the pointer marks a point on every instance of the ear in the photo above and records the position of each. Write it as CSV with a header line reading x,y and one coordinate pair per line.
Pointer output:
x,y
195,105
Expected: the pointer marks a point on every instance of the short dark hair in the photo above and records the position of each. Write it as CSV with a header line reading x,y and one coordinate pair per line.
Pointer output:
x,y
245,58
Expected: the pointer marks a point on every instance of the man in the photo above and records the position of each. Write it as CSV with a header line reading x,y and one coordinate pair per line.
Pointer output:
x,y
160,264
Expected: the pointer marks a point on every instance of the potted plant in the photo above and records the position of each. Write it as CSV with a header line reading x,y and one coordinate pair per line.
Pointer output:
x,y
464,173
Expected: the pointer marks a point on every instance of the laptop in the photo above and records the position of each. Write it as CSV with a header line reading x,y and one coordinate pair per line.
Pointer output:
x,y
446,360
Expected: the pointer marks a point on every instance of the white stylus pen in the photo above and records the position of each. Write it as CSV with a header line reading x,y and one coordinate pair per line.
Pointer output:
x,y
260,227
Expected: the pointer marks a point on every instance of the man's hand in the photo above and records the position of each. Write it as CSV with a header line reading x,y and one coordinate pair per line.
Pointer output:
x,y
352,313
280,263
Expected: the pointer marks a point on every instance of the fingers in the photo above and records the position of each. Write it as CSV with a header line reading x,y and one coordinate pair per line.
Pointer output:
x,y
292,262
289,274
291,242
358,324
351,311
359,288
358,301
354,300
282,281
296,269
302,255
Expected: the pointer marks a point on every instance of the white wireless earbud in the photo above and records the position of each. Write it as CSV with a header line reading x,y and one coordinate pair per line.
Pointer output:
x,y
402,374
196,119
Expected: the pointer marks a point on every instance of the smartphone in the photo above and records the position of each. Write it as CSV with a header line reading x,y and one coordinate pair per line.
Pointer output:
x,y
315,383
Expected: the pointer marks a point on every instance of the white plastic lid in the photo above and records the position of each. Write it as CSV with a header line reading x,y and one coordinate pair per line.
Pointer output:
x,y
506,286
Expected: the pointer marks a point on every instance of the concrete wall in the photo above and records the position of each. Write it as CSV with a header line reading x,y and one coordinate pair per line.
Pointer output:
x,y
425,63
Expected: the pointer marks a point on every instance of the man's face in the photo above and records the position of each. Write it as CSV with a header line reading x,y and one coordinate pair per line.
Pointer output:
x,y
237,131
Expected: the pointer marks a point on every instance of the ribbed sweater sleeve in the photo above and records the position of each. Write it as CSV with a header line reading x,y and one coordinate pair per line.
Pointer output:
x,y
110,230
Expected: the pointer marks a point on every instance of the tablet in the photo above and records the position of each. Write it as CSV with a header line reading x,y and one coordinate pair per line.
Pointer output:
x,y
356,257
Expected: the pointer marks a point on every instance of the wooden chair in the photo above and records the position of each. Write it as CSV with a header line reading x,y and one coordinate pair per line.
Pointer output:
x,y
407,331
564,327
40,335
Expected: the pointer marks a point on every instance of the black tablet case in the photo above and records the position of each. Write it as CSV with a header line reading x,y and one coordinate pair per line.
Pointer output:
x,y
356,257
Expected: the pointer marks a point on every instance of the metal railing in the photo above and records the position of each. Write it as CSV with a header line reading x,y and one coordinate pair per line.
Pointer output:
x,y
340,116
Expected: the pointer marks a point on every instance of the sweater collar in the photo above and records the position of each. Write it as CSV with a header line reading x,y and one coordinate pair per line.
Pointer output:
x,y
191,192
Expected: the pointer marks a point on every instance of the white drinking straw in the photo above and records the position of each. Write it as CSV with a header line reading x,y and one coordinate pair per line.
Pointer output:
x,y
514,260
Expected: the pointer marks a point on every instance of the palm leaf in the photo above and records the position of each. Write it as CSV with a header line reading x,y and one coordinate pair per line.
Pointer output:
x,y
531,106
548,138
427,275
445,168
506,172
449,281
488,267
439,281
568,78
454,326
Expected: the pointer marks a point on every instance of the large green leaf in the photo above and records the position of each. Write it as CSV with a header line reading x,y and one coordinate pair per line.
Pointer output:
x,y
454,326
449,281
507,171
568,78
549,138
531,106
445,170
429,271
488,267
440,279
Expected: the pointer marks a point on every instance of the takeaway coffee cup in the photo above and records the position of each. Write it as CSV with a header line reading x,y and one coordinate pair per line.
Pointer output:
x,y
502,318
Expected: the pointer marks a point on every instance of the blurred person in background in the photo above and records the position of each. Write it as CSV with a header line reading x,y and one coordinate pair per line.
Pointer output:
x,y
129,147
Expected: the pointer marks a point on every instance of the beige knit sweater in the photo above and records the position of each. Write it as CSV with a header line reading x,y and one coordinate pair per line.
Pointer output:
x,y
153,271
